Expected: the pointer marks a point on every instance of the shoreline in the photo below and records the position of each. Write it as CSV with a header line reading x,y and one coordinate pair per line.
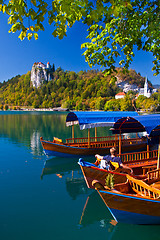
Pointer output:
x,y
59,109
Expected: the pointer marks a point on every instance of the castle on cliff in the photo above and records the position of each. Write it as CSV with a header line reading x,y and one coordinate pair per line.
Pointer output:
x,y
40,73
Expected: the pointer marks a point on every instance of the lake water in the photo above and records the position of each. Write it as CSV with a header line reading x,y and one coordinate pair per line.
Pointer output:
x,y
46,198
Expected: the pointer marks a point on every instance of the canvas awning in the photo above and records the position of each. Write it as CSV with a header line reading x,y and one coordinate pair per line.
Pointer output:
x,y
88,119
144,123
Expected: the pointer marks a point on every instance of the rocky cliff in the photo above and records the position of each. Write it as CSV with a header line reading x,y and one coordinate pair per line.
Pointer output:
x,y
40,73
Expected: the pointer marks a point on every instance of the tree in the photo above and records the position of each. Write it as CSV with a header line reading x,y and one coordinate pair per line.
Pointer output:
x,y
99,103
1,106
5,107
114,26
140,102
151,105
113,105
126,104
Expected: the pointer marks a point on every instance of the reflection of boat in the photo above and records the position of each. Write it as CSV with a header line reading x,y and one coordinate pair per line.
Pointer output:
x,y
90,146
129,231
76,186
94,210
60,166
136,201
68,169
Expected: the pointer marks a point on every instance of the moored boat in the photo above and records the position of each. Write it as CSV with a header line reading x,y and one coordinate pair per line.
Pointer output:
x,y
140,162
60,149
89,146
135,201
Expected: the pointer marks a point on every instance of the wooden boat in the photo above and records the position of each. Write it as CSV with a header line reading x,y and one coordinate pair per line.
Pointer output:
x,y
89,146
80,148
135,201
140,162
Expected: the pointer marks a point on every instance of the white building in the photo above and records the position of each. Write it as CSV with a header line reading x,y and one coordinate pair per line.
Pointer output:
x,y
146,91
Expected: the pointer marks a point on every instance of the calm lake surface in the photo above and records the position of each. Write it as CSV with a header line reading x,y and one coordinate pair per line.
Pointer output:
x,y
46,198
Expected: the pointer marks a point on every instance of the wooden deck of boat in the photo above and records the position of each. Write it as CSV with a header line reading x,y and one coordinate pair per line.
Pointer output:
x,y
156,185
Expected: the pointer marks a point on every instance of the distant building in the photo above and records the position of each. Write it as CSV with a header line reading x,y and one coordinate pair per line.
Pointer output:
x,y
146,91
120,95
40,73
127,87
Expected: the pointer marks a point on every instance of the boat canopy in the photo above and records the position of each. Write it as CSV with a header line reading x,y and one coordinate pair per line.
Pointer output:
x,y
92,119
144,123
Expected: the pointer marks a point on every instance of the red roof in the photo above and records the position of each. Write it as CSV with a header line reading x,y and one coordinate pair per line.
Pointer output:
x,y
120,94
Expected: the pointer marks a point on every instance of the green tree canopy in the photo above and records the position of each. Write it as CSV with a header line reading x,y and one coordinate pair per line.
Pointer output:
x,y
114,26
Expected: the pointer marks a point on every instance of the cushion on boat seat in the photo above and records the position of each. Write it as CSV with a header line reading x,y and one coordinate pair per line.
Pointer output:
x,y
57,140
114,164
97,162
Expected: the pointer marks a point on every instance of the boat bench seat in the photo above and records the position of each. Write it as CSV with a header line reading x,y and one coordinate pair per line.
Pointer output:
x,y
141,164
148,168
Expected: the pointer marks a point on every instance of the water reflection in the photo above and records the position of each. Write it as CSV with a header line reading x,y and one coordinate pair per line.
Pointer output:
x,y
75,183
35,143
27,127
129,231
43,202
60,166
76,186
94,211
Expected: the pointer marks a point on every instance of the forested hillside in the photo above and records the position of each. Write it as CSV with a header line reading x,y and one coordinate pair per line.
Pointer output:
x,y
85,90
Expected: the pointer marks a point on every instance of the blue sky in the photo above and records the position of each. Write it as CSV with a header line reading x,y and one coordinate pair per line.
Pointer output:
x,y
17,57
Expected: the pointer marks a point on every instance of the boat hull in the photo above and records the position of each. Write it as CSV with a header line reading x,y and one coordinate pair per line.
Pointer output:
x,y
64,150
94,173
131,209
91,172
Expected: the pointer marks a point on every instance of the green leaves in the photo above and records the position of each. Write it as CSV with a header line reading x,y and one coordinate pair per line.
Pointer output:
x,y
22,35
114,26
35,36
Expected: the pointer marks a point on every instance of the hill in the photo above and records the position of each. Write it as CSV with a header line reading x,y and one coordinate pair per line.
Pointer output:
x,y
80,91
157,86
